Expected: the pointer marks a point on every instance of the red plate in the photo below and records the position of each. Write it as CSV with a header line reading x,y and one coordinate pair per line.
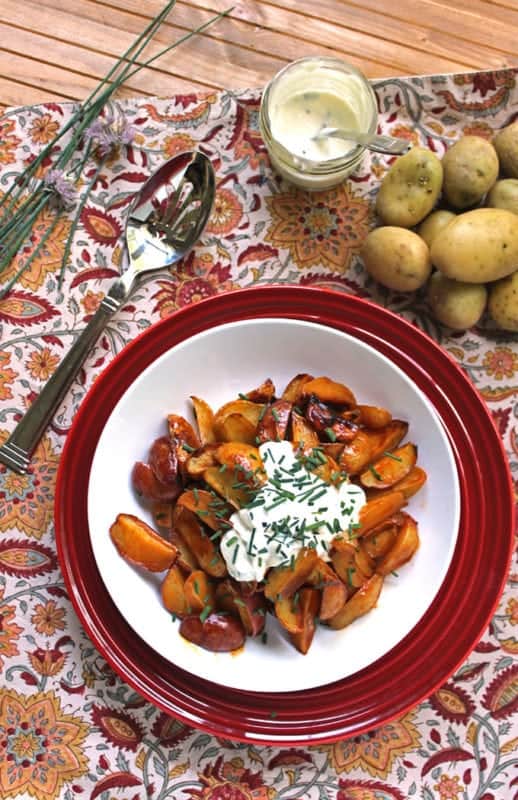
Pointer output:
x,y
412,670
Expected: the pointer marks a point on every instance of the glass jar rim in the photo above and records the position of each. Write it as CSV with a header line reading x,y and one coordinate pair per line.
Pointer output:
x,y
307,164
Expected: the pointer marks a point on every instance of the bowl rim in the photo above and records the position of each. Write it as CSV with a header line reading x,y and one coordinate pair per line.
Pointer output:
x,y
239,717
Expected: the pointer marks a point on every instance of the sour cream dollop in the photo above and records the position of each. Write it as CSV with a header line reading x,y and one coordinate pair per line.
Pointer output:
x,y
293,509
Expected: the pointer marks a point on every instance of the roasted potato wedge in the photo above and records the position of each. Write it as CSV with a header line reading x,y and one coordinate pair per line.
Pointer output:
x,y
163,460
186,559
329,391
386,439
250,608
391,468
303,435
173,592
284,581
187,525
273,424
163,515
236,428
228,486
138,543
333,590
373,417
344,561
199,591
289,613
147,485
329,425
293,392
204,416
309,601
404,547
210,509
378,543
409,485
184,435
218,633
264,393
243,462
201,460
359,604
375,511
356,454
245,408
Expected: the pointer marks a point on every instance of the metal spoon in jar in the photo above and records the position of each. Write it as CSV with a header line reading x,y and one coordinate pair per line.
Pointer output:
x,y
165,220
379,143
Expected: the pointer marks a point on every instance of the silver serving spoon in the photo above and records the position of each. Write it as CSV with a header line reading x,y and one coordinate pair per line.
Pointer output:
x,y
379,143
165,220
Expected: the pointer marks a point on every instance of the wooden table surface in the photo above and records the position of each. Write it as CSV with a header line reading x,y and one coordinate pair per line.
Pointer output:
x,y
59,49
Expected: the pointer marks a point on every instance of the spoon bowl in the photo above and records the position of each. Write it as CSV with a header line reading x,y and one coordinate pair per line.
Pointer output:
x,y
165,220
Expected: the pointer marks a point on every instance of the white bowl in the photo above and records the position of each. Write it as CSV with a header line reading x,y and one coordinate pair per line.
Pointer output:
x,y
217,365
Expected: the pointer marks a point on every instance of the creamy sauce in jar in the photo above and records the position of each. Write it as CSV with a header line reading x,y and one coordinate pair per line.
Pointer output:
x,y
293,509
303,115
305,96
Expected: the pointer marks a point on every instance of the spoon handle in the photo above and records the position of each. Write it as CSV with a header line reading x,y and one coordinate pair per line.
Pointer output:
x,y
16,452
389,144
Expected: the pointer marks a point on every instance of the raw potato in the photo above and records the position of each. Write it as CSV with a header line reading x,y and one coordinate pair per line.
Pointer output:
x,y
410,188
506,146
478,246
503,303
433,224
504,194
397,258
456,304
470,170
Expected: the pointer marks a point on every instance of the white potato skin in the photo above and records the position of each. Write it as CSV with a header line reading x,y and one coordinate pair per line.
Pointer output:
x,y
503,303
506,146
434,224
504,194
478,246
455,304
470,170
410,189
397,258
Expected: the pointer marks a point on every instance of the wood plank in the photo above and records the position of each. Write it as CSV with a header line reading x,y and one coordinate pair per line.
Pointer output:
x,y
91,63
360,48
14,94
201,53
490,32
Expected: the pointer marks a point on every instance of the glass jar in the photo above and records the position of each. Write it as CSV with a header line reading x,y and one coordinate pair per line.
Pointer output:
x,y
300,100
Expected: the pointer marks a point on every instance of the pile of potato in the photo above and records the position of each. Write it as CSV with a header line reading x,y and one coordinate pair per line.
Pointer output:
x,y
474,252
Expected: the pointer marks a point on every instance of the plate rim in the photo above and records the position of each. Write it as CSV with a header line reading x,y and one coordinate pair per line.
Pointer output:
x,y
267,731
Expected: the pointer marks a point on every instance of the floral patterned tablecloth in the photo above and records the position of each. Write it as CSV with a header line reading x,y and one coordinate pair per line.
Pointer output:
x,y
69,727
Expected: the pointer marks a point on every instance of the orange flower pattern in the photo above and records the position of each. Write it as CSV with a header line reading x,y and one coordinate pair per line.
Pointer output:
x,y
319,228
8,141
7,376
41,747
43,129
69,726
42,363
375,752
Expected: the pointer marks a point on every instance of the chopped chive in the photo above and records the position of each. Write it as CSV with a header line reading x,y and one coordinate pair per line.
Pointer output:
x,y
205,613
264,637
375,473
223,468
394,573
196,495
391,455
331,435
242,396
188,447
275,415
